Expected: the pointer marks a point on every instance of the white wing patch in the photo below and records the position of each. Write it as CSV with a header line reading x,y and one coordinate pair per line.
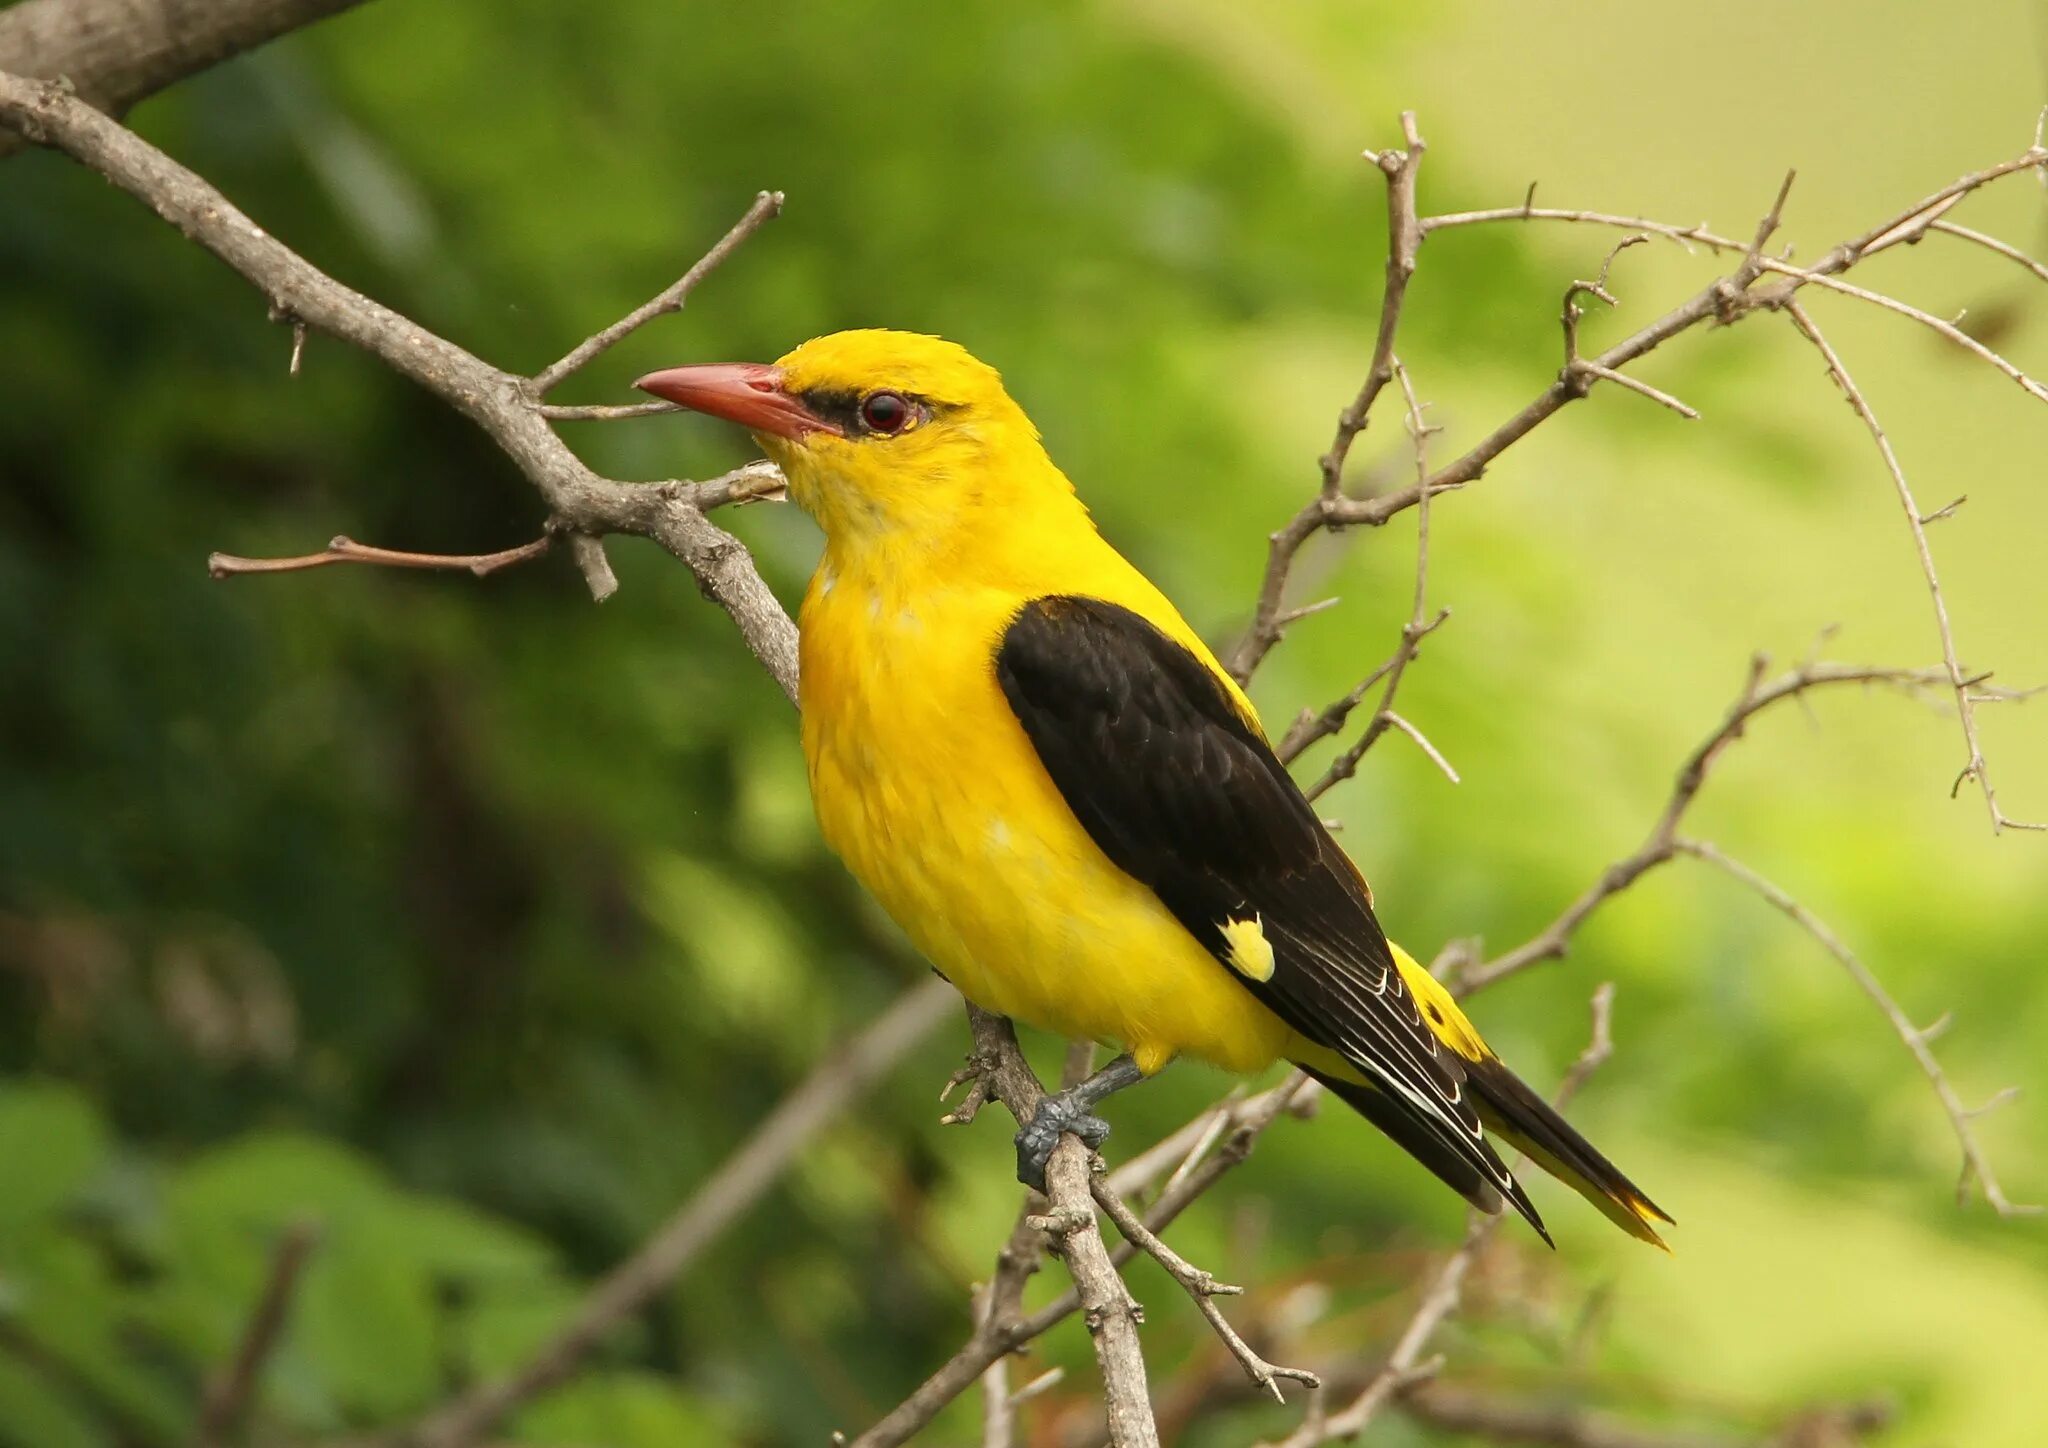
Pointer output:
x,y
1246,948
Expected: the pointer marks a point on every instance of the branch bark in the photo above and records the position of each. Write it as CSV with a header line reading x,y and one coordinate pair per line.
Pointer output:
x,y
112,53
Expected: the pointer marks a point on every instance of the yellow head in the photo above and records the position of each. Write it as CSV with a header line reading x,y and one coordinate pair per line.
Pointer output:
x,y
885,437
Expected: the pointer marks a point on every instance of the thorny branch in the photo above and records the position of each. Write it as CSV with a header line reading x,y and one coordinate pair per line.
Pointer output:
x,y
1404,242
1917,1039
1965,687
1659,846
1665,843
1420,625
1759,282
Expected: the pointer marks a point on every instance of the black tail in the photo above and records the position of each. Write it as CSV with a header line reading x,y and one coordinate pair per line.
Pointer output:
x,y
1414,1136
1527,1122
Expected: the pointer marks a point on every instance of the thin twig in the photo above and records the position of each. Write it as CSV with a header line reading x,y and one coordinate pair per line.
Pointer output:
x,y
998,1405
1917,1039
602,412
347,550
1204,1289
1959,683
1418,627
1404,243
1992,243
766,205
1727,299
1554,940
229,1394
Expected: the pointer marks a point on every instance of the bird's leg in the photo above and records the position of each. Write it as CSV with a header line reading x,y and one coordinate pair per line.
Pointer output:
x,y
1070,1110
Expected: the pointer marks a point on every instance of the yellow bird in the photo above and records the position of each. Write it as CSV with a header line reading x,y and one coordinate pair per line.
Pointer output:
x,y
1017,744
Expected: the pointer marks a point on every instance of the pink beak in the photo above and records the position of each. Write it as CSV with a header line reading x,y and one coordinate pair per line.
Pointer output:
x,y
748,393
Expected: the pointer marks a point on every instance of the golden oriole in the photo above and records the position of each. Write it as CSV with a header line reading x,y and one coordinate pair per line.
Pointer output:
x,y
1023,751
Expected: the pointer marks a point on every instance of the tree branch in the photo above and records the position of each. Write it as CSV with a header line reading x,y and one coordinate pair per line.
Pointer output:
x,y
501,403
1418,627
1962,685
1917,1039
1501,1419
739,1182
766,206
228,1395
1659,845
1404,242
346,550
112,53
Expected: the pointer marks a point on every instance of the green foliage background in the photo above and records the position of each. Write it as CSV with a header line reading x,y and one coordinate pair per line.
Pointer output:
x,y
478,923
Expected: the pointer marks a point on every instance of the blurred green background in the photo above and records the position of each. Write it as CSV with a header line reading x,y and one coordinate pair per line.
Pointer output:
x,y
483,922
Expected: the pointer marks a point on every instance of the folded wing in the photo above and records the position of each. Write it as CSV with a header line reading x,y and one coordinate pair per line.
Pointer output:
x,y
1178,787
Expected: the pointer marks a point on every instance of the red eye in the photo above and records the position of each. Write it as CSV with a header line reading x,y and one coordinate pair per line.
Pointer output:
x,y
885,412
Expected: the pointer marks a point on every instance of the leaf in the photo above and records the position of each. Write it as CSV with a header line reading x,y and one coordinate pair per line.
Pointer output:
x,y
51,1144
621,1410
33,1414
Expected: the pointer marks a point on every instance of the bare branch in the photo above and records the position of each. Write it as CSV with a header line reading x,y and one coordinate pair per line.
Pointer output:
x,y
1976,1165
1992,243
500,403
1500,1418
347,550
1660,844
604,413
1636,385
998,1405
997,1067
1974,767
1418,627
1111,1313
738,1183
112,53
766,206
1404,241
1949,331
229,1394
1204,1289
1727,299
997,1333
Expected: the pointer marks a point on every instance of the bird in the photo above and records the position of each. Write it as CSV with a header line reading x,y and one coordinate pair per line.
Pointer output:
x,y
1026,755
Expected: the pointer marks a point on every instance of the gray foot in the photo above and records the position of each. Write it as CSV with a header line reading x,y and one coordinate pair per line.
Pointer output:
x,y
1036,1139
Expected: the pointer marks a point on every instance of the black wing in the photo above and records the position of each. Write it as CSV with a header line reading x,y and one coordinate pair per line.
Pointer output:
x,y
1182,791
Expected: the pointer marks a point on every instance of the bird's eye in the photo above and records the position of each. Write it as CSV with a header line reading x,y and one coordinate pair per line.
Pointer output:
x,y
886,412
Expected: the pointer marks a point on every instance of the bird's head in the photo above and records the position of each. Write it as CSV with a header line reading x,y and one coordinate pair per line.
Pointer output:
x,y
882,435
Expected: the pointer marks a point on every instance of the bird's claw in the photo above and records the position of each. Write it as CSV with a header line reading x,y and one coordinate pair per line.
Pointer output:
x,y
1056,1115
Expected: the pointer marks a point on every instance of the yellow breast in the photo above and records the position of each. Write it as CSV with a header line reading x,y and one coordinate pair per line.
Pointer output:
x,y
926,785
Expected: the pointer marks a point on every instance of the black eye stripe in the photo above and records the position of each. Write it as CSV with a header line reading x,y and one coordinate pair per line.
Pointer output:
x,y
851,412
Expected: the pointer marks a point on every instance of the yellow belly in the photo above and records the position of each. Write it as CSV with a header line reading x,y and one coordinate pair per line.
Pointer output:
x,y
927,787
